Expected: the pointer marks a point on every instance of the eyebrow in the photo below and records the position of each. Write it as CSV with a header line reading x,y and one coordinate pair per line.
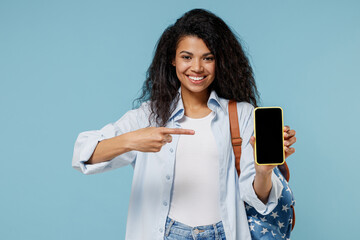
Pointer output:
x,y
205,54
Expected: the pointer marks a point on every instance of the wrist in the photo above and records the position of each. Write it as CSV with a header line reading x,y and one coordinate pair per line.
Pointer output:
x,y
263,179
263,173
125,142
262,185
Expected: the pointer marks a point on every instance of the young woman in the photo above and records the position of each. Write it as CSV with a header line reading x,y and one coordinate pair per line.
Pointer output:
x,y
185,184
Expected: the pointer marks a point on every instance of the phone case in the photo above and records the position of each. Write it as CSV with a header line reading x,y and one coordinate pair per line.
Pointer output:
x,y
282,121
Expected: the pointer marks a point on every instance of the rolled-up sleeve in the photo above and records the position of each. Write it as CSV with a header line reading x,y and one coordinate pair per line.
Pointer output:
x,y
86,143
247,192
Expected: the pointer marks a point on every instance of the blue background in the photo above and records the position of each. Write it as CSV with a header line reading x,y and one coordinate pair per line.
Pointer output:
x,y
72,66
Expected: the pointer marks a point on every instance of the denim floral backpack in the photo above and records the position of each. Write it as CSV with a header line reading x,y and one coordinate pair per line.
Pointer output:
x,y
281,221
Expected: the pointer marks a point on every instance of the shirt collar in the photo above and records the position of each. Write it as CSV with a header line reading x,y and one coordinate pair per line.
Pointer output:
x,y
214,101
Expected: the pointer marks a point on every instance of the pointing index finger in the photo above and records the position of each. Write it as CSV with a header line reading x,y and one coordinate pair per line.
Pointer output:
x,y
178,131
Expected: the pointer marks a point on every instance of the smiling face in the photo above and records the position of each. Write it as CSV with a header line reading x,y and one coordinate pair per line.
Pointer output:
x,y
195,65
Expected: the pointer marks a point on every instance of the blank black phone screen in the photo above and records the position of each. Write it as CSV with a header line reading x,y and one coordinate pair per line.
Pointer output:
x,y
269,135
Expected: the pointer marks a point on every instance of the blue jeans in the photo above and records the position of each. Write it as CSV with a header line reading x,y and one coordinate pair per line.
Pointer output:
x,y
178,231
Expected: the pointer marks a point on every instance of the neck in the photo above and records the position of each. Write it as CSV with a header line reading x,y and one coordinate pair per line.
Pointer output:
x,y
193,101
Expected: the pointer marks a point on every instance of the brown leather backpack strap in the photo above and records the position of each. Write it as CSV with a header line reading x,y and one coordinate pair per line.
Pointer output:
x,y
284,169
293,219
236,140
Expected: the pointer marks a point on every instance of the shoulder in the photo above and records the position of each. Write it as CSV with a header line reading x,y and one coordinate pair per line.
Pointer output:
x,y
243,108
142,114
245,117
244,111
245,114
136,117
144,109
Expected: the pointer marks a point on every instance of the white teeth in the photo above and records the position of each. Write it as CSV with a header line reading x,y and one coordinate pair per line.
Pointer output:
x,y
196,78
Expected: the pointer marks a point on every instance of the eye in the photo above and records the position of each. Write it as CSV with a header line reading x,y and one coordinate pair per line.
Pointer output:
x,y
186,57
209,59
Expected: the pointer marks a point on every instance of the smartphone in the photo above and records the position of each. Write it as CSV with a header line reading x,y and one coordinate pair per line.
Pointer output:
x,y
269,135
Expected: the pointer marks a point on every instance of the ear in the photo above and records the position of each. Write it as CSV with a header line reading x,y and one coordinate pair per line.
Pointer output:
x,y
173,62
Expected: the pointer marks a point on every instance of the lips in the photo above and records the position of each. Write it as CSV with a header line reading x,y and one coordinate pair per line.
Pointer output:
x,y
196,79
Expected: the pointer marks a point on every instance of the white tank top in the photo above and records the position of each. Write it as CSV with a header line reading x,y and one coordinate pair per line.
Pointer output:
x,y
195,199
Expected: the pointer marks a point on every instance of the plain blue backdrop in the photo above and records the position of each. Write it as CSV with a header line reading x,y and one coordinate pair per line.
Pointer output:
x,y
71,66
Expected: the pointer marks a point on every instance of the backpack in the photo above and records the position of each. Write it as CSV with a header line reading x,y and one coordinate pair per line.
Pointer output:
x,y
281,221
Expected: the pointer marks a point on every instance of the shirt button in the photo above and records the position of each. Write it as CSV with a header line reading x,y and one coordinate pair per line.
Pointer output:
x,y
168,177
161,230
164,203
171,150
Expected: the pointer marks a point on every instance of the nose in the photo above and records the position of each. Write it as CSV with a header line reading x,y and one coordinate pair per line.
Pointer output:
x,y
197,66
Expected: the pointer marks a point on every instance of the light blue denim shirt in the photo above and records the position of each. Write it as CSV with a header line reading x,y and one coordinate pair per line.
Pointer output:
x,y
153,171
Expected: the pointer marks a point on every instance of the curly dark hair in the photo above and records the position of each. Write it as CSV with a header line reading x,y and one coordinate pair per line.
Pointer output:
x,y
233,74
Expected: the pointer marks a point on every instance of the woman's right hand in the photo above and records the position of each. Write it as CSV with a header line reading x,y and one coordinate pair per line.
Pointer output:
x,y
152,139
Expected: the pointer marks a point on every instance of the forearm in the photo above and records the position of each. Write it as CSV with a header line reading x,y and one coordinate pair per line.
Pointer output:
x,y
110,148
262,186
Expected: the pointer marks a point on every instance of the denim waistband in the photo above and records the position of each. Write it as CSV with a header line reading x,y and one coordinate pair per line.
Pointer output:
x,y
213,231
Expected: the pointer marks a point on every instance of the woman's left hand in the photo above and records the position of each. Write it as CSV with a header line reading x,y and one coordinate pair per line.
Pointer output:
x,y
289,140
262,183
